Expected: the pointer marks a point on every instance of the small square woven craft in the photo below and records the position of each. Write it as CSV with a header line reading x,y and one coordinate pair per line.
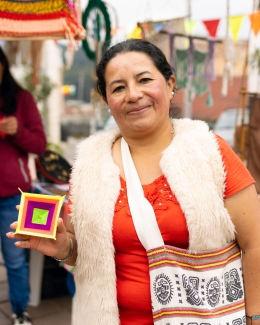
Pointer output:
x,y
38,215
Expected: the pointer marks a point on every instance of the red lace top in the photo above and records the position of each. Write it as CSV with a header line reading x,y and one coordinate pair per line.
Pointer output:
x,y
133,288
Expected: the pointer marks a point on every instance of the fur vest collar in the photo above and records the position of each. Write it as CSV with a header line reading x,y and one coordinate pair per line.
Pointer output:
x,y
194,170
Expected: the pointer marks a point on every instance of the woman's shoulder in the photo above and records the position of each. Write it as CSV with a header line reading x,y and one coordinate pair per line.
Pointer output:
x,y
237,175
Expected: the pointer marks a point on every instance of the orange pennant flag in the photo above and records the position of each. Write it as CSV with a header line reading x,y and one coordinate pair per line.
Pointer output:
x,y
234,26
255,21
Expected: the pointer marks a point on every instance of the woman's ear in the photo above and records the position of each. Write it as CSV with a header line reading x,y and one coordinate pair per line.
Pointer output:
x,y
171,82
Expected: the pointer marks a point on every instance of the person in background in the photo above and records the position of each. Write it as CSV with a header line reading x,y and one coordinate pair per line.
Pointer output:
x,y
21,132
177,161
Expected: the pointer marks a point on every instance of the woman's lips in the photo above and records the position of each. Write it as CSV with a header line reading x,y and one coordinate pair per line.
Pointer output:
x,y
138,110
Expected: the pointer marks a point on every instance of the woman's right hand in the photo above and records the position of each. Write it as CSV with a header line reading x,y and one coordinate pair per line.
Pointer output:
x,y
43,245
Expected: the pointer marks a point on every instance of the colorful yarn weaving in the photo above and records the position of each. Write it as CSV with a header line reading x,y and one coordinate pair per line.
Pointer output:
x,y
39,19
38,215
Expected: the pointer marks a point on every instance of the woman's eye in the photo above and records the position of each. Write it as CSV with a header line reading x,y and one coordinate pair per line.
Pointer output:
x,y
143,80
117,89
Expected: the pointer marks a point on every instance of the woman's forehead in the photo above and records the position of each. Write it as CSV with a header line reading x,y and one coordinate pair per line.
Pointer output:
x,y
129,61
131,55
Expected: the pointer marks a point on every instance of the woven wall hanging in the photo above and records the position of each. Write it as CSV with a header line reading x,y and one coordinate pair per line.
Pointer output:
x,y
39,19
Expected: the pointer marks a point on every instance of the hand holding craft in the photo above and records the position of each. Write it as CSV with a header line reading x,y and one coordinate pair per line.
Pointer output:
x,y
45,246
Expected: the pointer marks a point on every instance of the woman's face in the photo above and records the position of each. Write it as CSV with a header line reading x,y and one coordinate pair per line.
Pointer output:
x,y
137,93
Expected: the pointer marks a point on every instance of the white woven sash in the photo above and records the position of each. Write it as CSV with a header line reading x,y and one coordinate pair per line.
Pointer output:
x,y
141,210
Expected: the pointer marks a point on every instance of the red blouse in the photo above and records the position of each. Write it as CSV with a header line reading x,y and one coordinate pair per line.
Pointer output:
x,y
133,288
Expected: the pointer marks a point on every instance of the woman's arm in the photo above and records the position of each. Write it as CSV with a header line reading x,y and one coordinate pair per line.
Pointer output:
x,y
244,209
29,135
65,252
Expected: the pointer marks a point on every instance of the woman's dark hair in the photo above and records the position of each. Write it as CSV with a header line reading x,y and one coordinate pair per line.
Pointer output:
x,y
8,87
133,45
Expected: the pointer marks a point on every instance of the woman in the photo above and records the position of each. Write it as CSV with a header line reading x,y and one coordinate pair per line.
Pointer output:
x,y
171,157
21,132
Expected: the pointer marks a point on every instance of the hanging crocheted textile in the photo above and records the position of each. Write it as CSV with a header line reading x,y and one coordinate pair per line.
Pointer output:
x,y
200,81
39,19
181,67
191,62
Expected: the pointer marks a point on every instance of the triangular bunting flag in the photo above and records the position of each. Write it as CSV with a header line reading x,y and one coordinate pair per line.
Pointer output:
x,y
234,26
136,33
189,26
255,22
212,26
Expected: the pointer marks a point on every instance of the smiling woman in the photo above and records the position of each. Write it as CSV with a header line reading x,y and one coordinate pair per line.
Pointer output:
x,y
160,209
137,93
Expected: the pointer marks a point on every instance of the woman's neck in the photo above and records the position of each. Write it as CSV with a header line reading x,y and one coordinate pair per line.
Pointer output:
x,y
148,143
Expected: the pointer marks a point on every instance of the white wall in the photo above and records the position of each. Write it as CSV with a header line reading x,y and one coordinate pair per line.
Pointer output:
x,y
253,83
52,67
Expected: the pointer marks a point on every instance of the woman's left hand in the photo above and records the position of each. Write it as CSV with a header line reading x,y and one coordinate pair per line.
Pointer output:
x,y
43,245
9,125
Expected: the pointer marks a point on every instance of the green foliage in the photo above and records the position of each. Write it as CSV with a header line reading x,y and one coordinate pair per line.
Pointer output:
x,y
55,147
255,60
41,91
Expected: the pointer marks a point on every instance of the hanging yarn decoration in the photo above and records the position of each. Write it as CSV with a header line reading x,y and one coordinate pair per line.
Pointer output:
x,y
191,57
172,50
40,19
199,82
182,61
209,99
209,68
181,67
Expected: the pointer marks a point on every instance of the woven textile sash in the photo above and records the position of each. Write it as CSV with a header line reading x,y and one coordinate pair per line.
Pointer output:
x,y
206,288
186,289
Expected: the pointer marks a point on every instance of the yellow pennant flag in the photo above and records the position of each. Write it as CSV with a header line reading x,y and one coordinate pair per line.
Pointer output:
x,y
136,33
189,26
234,26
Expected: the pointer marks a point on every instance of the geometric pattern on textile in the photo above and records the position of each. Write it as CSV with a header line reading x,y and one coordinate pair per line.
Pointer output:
x,y
39,19
38,215
197,289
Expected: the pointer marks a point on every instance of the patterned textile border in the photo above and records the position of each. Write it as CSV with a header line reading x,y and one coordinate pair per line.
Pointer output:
x,y
14,16
42,7
168,255
183,312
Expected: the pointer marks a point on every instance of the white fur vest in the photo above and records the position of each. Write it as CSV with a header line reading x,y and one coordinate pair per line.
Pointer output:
x,y
194,169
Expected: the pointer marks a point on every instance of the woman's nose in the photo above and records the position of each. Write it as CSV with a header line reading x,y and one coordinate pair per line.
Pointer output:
x,y
133,93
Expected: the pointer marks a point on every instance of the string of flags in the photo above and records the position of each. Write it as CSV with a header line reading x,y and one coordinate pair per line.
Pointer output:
x,y
211,26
